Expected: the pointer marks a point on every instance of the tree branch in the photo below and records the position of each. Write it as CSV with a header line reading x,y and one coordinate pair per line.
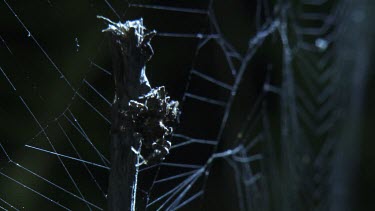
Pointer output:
x,y
131,50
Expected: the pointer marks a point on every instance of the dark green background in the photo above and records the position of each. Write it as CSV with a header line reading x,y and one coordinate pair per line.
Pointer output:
x,y
56,25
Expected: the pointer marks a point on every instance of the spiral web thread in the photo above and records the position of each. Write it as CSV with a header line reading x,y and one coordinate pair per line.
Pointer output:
x,y
293,162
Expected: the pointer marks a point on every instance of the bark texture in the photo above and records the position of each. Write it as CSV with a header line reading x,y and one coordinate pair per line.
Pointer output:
x,y
130,51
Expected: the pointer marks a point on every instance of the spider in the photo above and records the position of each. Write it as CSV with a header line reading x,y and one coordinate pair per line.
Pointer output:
x,y
153,117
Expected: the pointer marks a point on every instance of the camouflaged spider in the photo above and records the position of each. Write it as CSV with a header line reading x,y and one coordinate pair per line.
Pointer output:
x,y
153,117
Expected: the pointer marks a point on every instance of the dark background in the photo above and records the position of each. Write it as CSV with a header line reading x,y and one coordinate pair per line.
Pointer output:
x,y
70,34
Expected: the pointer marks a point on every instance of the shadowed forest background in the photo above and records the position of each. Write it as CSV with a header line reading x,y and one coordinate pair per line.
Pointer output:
x,y
289,84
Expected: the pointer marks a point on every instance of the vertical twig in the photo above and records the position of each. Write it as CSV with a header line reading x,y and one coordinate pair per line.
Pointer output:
x,y
131,51
354,49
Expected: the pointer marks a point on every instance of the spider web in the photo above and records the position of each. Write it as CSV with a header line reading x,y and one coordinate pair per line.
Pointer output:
x,y
263,98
